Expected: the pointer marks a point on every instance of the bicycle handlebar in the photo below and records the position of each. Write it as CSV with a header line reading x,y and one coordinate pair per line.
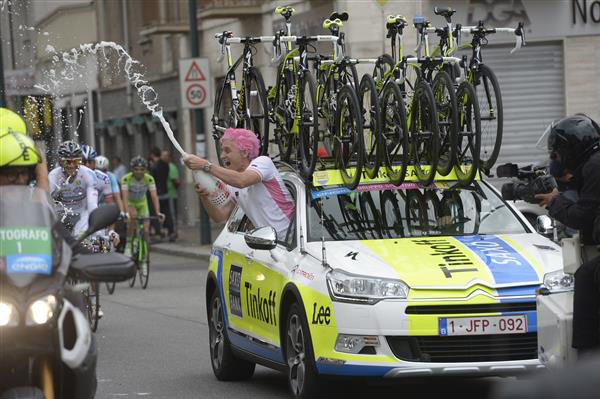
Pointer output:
x,y
519,33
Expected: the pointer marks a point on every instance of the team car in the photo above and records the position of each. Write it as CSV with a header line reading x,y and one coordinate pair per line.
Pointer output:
x,y
380,281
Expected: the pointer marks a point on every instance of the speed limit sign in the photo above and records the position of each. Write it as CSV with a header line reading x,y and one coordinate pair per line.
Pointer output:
x,y
195,83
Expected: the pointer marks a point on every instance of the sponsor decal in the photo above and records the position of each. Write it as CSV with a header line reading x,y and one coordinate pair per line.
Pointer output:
x,y
305,274
259,306
321,177
40,264
351,255
321,314
235,300
505,263
451,258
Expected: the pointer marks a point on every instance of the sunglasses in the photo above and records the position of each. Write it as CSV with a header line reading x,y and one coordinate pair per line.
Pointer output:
x,y
75,161
139,169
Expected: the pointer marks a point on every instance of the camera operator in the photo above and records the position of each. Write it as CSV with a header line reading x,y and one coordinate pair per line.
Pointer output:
x,y
574,142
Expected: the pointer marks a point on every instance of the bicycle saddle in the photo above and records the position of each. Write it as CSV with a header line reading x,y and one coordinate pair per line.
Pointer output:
x,y
226,33
394,20
286,11
336,22
445,12
420,22
342,16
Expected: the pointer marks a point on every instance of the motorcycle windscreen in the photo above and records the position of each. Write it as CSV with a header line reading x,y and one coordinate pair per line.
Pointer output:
x,y
29,248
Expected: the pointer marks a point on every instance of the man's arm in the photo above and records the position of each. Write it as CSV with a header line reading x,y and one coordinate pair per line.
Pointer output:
x,y
155,202
217,214
580,214
125,198
231,177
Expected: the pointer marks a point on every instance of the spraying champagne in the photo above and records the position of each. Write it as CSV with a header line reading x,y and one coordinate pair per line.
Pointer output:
x,y
219,195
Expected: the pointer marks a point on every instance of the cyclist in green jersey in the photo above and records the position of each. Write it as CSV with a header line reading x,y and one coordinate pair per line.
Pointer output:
x,y
134,186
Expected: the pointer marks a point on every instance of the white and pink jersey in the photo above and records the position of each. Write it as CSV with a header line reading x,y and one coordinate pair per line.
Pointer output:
x,y
267,203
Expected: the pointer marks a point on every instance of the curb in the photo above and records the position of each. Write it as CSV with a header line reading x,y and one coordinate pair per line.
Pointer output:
x,y
183,252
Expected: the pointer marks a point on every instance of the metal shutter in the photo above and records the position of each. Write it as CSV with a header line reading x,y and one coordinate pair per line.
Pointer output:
x,y
532,86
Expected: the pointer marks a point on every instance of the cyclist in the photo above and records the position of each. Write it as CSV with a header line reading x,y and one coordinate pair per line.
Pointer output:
x,y
253,181
73,187
12,122
135,185
102,164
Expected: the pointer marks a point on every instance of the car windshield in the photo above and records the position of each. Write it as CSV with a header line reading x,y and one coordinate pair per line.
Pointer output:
x,y
415,212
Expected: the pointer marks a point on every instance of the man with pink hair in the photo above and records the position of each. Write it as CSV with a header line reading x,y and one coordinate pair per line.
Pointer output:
x,y
253,181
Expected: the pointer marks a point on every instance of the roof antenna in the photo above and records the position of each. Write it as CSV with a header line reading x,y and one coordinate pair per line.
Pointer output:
x,y
323,251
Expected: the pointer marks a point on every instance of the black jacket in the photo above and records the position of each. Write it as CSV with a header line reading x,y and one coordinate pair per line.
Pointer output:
x,y
581,214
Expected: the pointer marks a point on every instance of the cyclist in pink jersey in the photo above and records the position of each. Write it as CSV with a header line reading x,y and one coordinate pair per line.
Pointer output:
x,y
254,182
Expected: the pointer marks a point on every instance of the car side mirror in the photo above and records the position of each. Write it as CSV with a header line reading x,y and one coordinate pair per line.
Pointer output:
x,y
261,238
544,225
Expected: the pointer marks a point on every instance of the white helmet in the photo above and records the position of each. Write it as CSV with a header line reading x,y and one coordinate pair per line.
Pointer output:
x,y
102,163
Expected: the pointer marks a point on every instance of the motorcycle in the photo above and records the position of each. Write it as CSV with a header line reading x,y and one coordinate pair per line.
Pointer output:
x,y
47,348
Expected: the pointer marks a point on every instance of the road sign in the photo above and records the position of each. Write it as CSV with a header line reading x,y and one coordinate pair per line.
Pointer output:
x,y
195,82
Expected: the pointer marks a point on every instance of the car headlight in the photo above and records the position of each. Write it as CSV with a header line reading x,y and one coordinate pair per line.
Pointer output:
x,y
364,289
8,315
559,281
41,311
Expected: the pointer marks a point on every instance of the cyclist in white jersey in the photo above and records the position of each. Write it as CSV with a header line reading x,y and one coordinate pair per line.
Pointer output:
x,y
73,187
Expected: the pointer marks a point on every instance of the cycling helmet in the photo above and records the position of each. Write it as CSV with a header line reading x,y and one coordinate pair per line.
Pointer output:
x,y
573,138
88,152
69,149
17,149
102,163
11,121
138,161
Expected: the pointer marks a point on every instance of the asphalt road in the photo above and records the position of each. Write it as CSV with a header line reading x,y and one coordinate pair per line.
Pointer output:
x,y
153,344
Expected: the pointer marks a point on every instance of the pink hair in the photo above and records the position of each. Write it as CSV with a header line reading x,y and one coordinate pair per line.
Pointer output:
x,y
243,139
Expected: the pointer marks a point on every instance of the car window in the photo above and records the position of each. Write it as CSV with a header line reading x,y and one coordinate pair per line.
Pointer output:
x,y
411,213
240,223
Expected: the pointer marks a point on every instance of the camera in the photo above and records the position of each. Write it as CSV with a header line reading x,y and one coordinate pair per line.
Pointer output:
x,y
528,181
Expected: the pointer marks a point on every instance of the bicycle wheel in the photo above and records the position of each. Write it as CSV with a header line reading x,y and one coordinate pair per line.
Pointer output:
x,y
424,133
308,125
469,135
347,141
416,213
391,217
383,66
489,99
371,215
369,102
224,116
445,103
283,113
144,274
110,287
394,132
257,108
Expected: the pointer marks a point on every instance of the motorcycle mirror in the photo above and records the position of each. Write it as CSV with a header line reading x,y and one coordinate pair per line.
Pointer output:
x,y
100,218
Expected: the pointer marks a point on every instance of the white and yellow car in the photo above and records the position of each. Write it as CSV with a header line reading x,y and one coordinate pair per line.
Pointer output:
x,y
380,282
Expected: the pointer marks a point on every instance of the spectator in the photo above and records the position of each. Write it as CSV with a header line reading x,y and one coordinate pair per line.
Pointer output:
x,y
119,169
172,187
160,171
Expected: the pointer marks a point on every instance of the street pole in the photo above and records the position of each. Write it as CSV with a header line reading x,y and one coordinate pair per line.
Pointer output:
x,y
205,238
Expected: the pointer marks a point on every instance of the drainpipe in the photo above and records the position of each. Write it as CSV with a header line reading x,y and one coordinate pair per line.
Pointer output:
x,y
125,15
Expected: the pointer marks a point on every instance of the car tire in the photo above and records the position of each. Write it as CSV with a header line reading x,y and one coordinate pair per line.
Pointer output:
x,y
226,366
302,376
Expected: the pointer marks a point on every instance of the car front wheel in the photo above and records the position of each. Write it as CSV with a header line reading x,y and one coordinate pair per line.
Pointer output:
x,y
225,365
303,379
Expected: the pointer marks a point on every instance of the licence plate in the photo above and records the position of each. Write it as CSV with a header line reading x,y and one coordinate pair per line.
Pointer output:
x,y
486,325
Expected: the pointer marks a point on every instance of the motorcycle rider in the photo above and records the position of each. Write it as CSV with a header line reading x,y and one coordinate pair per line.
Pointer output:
x,y
73,186
574,141
19,161
12,122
